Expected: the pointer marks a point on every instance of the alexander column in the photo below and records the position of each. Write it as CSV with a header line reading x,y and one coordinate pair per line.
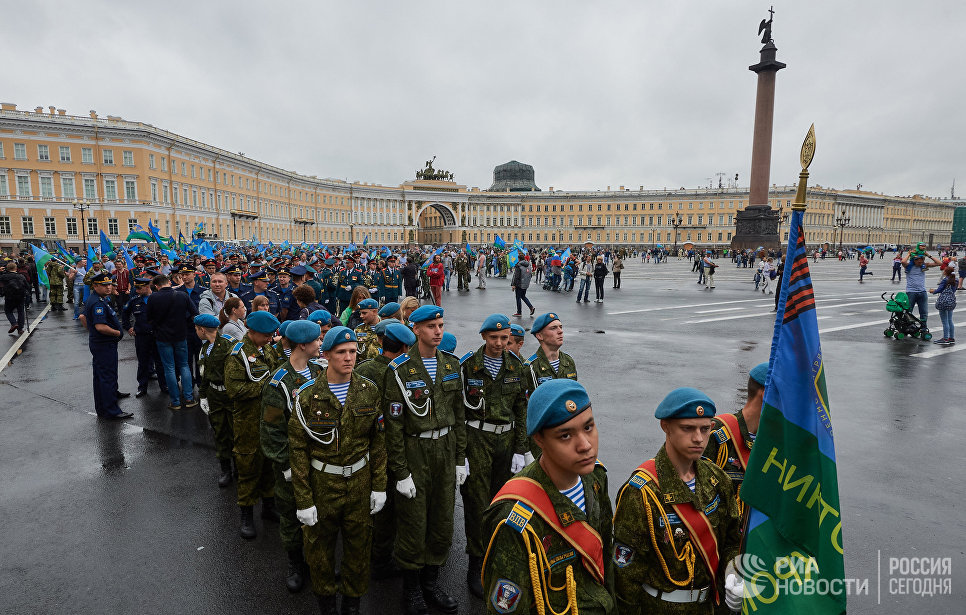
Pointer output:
x,y
757,225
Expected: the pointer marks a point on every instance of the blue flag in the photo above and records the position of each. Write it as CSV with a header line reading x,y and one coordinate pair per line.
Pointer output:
x,y
91,255
67,255
518,244
127,258
106,245
365,241
206,250
565,255
513,258
499,243
469,251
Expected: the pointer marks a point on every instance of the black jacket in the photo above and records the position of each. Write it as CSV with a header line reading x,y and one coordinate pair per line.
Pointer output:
x,y
15,285
600,271
168,312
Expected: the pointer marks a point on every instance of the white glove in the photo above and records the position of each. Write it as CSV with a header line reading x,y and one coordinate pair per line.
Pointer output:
x,y
377,499
461,473
203,402
287,475
517,463
734,591
527,458
407,487
308,516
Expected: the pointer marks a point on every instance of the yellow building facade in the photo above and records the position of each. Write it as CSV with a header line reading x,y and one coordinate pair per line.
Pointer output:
x,y
69,177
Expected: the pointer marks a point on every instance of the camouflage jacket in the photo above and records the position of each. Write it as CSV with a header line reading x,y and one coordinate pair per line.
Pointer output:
x,y
539,369
499,400
277,409
247,369
211,362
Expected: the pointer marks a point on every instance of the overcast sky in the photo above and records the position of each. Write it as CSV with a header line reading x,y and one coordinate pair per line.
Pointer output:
x,y
653,93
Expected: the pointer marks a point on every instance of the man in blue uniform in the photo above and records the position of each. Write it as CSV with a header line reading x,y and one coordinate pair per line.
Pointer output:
x,y
259,282
391,281
105,332
283,288
134,320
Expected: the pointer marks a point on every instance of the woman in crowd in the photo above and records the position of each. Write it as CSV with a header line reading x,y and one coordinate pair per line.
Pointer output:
x,y
600,274
946,303
232,318
350,315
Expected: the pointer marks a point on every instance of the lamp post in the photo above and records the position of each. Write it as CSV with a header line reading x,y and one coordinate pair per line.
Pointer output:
x,y
83,206
842,222
676,222
782,218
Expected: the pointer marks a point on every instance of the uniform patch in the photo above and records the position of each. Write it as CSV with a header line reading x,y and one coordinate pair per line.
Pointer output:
x,y
623,555
543,379
672,518
519,516
559,558
474,383
381,422
510,380
395,410
637,481
713,506
415,384
98,310
506,596
720,436
452,376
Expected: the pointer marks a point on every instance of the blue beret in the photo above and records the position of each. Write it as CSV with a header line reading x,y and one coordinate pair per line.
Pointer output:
x,y
302,331
262,322
554,403
282,328
209,321
448,344
759,373
542,321
424,313
403,334
336,336
685,403
298,270
517,330
367,304
320,316
380,327
389,309
496,322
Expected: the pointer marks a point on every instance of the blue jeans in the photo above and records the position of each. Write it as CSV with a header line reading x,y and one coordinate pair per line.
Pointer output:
x,y
80,297
174,357
448,274
946,317
918,298
584,288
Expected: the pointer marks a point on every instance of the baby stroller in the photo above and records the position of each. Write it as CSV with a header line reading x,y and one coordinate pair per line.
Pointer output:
x,y
902,322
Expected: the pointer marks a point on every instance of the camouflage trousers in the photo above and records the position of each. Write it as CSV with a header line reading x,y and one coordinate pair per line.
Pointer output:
x,y
424,524
255,480
384,528
56,293
343,508
490,456
219,416
289,527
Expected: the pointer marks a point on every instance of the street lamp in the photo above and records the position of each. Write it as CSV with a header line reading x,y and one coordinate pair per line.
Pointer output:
x,y
842,222
676,222
83,206
782,218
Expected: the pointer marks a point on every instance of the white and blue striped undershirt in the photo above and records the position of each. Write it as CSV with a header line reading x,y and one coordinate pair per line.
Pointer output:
x,y
493,365
287,351
430,365
305,373
555,365
690,484
341,391
576,495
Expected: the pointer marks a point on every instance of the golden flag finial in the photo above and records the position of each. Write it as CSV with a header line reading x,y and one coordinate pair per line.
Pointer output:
x,y
808,148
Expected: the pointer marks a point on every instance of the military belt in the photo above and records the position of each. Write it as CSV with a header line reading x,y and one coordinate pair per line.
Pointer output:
x,y
494,428
432,434
678,595
344,471
217,387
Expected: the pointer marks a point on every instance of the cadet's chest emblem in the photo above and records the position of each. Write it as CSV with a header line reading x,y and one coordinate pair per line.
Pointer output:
x,y
412,370
623,555
506,596
566,518
415,384
668,498
395,410
98,310
713,506
546,542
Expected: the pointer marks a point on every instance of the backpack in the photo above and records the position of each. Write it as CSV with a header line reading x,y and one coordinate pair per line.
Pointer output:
x,y
15,286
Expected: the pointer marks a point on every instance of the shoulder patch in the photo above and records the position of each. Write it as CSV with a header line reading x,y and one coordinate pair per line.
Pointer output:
x,y
307,384
465,357
237,347
720,435
519,516
505,597
227,337
395,363
277,376
451,376
600,465
532,358
638,480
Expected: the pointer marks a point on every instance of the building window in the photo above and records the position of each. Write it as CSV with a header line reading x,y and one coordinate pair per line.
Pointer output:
x,y
27,223
3,184
23,185
87,155
174,191
1,151
132,223
47,187
112,226
43,153
64,153
92,226
164,163
72,227
150,161
154,192
110,189
127,158
130,190
50,226
90,188
5,225
108,156
19,151
183,169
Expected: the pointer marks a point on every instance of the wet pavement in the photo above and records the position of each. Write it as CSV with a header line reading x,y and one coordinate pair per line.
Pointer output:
x,y
127,517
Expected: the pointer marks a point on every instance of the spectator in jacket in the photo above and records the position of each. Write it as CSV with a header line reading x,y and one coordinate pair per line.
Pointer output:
x,y
15,289
600,274
586,275
616,269
520,282
213,299
168,311
437,277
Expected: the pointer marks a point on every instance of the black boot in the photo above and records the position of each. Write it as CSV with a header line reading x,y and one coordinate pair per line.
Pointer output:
x,y
433,593
269,512
295,580
327,605
350,606
413,601
247,529
224,479
473,576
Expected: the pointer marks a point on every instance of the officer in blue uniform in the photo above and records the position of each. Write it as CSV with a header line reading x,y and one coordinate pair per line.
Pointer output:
x,y
283,288
134,320
104,333
327,278
391,281
259,282
234,275
297,274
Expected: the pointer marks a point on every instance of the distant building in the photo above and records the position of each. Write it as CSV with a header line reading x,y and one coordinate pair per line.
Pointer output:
x,y
959,225
513,177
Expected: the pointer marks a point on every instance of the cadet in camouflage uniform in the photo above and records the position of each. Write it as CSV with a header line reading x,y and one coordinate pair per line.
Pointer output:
x,y
55,274
426,442
462,271
302,365
396,339
496,437
664,562
338,458
567,488
212,395
247,369
548,362
368,341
